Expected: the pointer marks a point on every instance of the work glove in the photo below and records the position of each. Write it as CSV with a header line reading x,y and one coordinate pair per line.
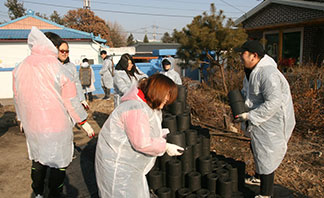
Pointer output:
x,y
85,104
173,150
86,126
242,117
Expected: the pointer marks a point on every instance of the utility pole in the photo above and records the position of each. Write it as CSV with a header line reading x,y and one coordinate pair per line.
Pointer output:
x,y
86,4
154,31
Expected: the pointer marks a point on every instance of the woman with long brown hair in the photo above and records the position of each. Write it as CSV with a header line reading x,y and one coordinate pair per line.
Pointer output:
x,y
132,138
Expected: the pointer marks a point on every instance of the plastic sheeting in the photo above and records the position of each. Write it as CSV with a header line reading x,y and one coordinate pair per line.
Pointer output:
x,y
271,116
171,73
46,100
122,83
75,75
127,147
106,74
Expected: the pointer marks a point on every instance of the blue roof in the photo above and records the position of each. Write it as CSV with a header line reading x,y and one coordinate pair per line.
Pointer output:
x,y
64,32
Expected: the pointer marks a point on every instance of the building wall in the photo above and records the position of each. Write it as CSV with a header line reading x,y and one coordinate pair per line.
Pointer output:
x,y
313,44
281,14
255,35
6,84
13,53
275,14
80,50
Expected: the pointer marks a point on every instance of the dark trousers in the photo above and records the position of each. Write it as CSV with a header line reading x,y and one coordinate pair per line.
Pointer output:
x,y
55,183
89,96
267,182
107,92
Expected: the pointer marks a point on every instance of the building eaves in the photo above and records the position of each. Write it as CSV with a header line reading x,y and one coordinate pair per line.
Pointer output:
x,y
297,3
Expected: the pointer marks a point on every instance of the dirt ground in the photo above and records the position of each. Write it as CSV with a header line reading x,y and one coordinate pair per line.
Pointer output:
x,y
15,181
302,170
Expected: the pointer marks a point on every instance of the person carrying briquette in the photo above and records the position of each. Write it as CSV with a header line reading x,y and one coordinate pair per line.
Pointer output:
x,y
63,56
47,105
132,138
87,78
270,119
126,75
107,73
168,65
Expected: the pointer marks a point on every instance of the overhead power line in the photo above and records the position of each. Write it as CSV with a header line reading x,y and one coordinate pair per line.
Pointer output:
x,y
113,11
232,6
163,8
143,6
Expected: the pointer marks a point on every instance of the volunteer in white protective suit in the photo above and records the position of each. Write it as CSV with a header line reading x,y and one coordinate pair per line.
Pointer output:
x,y
63,56
107,73
126,75
168,65
132,137
87,90
271,119
47,106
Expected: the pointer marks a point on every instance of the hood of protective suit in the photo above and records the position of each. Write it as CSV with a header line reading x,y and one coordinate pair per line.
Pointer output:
x,y
39,43
171,60
266,61
85,64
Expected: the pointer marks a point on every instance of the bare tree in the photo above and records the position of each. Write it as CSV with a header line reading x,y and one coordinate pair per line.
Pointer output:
x,y
117,34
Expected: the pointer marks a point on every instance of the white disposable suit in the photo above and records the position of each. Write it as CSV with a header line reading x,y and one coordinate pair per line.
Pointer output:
x,y
271,114
171,73
123,82
45,100
127,147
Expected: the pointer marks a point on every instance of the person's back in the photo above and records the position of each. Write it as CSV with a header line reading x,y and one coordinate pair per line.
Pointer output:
x,y
42,104
85,75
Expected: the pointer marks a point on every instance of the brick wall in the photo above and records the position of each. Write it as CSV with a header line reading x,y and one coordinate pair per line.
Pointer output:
x,y
281,14
313,49
313,41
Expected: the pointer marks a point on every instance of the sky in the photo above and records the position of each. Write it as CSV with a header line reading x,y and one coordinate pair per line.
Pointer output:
x,y
140,17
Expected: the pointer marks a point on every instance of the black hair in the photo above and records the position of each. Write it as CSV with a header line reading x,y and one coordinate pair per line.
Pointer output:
x,y
123,64
85,60
56,39
67,60
103,52
165,62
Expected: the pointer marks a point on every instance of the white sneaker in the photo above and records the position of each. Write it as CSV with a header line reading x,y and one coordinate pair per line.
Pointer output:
x,y
39,196
253,181
262,196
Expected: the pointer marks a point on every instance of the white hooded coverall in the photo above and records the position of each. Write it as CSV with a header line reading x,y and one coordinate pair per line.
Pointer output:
x,y
271,114
46,102
171,73
106,73
127,147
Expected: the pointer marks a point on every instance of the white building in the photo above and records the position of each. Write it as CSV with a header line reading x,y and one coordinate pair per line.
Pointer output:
x,y
14,48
